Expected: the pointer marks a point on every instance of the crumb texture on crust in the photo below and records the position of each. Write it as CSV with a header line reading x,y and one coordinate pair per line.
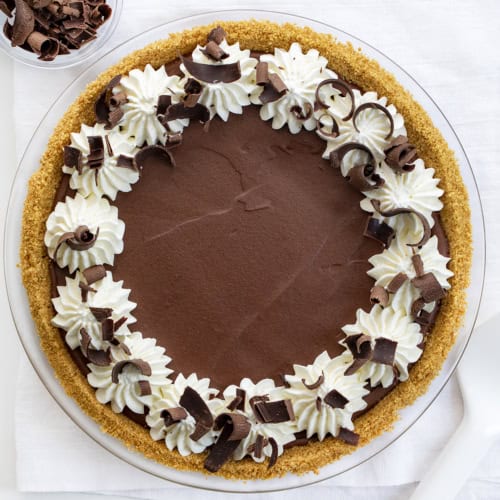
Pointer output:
x,y
350,64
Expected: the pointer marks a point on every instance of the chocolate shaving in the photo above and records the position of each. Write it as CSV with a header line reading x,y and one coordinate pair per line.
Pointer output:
x,y
164,101
94,273
402,210
275,412
95,157
316,384
198,409
363,178
80,239
253,401
296,442
109,149
124,161
144,388
24,23
334,126
73,158
234,403
426,319
217,35
274,87
85,341
85,289
213,51
106,104
98,357
301,113
318,403
348,436
45,47
374,105
118,324
224,447
400,154
384,351
379,295
258,446
344,89
150,155
396,282
418,264
274,452
379,231
173,415
140,364
417,306
212,73
101,313
335,399
262,73
429,287
179,111
108,329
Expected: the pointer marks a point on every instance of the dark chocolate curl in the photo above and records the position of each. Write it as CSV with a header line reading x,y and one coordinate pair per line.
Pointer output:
x,y
403,210
429,287
335,399
198,409
253,401
348,436
223,448
106,104
95,157
101,313
140,364
99,358
384,351
153,155
45,47
342,87
24,23
396,282
258,446
274,452
316,384
362,178
418,264
85,289
108,329
379,231
179,111
217,35
124,161
400,155
94,273
173,415
302,113
417,306
275,411
73,158
144,388
262,73
164,101
320,127
274,88
85,341
374,105
239,423
212,73
214,51
379,295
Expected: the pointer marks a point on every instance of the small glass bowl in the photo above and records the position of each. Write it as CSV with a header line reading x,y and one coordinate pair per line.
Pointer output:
x,y
76,56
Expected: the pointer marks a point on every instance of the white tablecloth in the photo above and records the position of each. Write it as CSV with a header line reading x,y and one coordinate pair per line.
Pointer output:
x,y
451,48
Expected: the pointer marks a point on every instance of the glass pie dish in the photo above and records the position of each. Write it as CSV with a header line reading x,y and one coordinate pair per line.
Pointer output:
x,y
29,336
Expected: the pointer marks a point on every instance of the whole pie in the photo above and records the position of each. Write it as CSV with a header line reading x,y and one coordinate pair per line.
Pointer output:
x,y
246,248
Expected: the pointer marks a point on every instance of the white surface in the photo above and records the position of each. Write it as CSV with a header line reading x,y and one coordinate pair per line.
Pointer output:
x,y
446,46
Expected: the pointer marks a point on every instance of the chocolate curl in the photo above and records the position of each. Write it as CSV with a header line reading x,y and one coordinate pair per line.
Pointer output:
x,y
335,400
301,439
24,23
198,409
95,157
348,436
258,447
193,89
99,358
344,89
275,412
384,351
429,287
107,108
397,282
262,73
379,295
396,211
101,313
85,289
45,47
418,264
124,161
108,329
212,73
94,273
400,155
274,452
173,415
180,111
140,364
73,158
253,401
214,52
217,35
379,231
316,384
150,155
235,427
274,87
374,105
361,350
334,126
79,240
144,388
300,113
85,341
417,306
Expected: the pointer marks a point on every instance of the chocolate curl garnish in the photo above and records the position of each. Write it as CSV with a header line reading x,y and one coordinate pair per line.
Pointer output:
x,y
45,47
348,436
98,357
238,403
94,273
213,51
85,341
217,35
198,409
275,412
235,427
253,401
80,239
24,23
374,105
144,388
212,73
379,295
150,155
179,111
274,89
384,351
173,415
320,127
100,14
274,452
124,161
73,158
101,313
379,231
141,365
109,149
429,287
361,350
417,306
193,91
107,107
95,157
258,447
426,319
400,154
342,87
118,324
302,114
418,264
108,329
262,73
316,384
164,101
396,211
85,289
301,439
335,399
397,282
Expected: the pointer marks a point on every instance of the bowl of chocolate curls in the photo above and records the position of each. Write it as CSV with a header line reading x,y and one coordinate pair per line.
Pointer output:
x,y
56,33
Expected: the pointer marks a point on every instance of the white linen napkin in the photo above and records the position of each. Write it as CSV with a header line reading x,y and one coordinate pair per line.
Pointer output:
x,y
449,48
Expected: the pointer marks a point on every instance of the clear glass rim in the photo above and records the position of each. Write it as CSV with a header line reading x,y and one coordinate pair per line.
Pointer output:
x,y
117,448
75,57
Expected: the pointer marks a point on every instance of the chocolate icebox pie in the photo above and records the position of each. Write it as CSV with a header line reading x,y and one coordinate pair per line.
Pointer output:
x,y
246,249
